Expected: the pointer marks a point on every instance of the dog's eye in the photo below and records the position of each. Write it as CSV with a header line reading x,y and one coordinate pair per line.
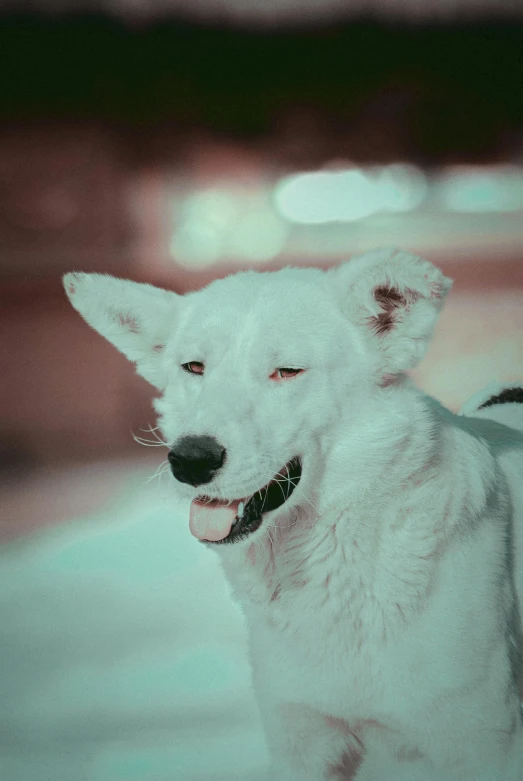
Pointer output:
x,y
193,367
285,374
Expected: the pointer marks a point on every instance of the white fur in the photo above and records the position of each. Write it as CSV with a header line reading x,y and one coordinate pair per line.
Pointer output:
x,y
382,599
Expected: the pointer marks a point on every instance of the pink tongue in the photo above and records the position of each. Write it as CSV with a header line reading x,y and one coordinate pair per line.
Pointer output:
x,y
211,522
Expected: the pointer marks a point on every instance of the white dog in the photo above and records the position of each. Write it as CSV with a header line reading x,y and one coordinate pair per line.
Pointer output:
x,y
373,538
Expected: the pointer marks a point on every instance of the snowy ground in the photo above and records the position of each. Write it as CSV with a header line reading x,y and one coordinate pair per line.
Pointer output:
x,y
122,655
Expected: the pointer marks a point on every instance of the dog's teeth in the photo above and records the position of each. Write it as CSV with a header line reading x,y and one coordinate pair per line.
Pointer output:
x,y
240,509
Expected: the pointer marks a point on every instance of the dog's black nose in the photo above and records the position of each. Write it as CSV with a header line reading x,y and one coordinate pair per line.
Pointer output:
x,y
196,459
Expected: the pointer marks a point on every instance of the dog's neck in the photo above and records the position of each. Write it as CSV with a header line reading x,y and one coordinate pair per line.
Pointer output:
x,y
412,502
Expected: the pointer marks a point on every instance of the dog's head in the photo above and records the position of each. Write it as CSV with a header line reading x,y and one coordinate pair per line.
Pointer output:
x,y
269,378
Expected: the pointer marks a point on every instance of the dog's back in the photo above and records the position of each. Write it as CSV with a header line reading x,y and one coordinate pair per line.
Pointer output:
x,y
500,410
503,403
496,415
497,411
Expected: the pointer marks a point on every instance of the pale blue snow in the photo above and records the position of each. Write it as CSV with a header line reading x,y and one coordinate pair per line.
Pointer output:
x,y
122,655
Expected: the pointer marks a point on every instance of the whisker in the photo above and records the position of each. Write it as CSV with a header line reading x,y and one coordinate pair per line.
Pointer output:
x,y
147,442
156,442
288,479
154,431
160,470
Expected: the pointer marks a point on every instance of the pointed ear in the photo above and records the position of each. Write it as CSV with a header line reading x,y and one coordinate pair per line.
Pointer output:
x,y
395,299
136,318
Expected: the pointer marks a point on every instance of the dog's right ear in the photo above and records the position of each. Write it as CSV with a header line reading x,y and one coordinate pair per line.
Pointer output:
x,y
136,318
395,298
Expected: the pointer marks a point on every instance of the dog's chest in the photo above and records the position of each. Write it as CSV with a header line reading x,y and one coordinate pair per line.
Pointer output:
x,y
319,648
330,608
314,614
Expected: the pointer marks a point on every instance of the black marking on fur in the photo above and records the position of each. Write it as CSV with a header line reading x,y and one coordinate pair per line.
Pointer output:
x,y
506,396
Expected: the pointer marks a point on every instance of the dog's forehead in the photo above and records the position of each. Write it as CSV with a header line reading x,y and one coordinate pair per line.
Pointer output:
x,y
285,301
288,318
278,289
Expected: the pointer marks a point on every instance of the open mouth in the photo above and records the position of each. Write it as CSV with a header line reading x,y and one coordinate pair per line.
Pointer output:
x,y
221,521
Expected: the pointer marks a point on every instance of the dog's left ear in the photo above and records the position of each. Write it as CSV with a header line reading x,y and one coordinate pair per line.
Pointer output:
x,y
395,299
137,318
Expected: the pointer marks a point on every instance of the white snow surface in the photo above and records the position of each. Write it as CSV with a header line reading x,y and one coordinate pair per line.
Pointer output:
x,y
122,654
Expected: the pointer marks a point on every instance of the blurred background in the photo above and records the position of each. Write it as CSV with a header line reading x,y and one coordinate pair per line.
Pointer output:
x,y
175,141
